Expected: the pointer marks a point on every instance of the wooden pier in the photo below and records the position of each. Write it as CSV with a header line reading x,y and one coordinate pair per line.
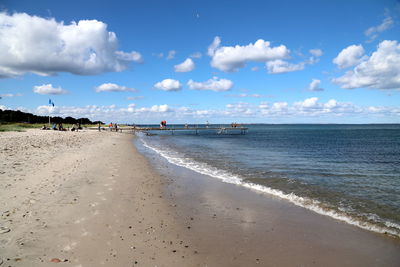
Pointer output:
x,y
194,130
179,130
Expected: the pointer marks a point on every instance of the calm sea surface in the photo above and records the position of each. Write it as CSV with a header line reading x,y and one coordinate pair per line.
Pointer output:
x,y
349,172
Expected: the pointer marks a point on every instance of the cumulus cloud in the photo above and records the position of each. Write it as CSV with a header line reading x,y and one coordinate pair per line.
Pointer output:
x,y
112,87
214,84
168,85
314,85
45,47
132,56
307,103
48,89
379,71
310,108
374,31
281,66
2,107
231,58
185,66
350,56
213,46
171,54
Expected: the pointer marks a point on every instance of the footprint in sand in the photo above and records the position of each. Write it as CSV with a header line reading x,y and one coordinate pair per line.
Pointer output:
x,y
4,229
80,220
70,246
86,233
94,204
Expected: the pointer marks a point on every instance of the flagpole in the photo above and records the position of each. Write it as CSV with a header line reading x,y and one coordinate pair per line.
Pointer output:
x,y
49,112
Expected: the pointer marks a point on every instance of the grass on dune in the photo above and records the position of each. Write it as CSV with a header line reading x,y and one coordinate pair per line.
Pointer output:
x,y
18,127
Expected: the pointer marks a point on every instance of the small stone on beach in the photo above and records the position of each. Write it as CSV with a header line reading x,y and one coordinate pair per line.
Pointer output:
x,y
4,229
55,260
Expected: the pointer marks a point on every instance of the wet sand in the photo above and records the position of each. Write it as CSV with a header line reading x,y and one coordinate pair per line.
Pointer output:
x,y
90,199
235,226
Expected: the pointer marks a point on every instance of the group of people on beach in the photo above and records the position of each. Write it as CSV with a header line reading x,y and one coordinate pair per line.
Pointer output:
x,y
60,127
113,127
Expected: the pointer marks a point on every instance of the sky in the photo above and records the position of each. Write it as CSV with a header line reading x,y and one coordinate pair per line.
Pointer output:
x,y
196,61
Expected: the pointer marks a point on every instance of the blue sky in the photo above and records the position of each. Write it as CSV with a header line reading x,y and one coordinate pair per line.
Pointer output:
x,y
196,61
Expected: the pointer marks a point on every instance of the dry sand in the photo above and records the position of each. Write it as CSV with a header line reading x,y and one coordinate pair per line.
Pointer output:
x,y
90,199
84,199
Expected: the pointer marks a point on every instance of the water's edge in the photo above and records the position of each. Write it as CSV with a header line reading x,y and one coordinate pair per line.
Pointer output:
x,y
308,203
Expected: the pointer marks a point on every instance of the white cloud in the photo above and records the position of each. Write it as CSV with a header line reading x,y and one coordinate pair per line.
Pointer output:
x,y
350,56
168,85
247,95
310,110
185,66
214,84
307,103
134,97
196,55
10,95
112,87
316,52
2,107
281,66
46,47
213,46
48,89
314,85
132,56
374,31
231,58
379,71
279,106
171,54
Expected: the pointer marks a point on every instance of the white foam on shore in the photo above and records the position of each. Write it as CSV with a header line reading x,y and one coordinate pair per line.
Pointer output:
x,y
311,204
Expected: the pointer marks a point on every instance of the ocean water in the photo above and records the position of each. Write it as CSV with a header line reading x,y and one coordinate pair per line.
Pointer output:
x,y
348,172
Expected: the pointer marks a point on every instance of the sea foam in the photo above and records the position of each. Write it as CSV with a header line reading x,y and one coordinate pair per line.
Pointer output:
x,y
176,158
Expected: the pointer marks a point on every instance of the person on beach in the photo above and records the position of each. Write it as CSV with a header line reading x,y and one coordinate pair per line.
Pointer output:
x,y
74,127
99,127
163,124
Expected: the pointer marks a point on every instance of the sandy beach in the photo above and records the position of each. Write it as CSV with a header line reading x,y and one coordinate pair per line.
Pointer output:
x,y
90,198
84,199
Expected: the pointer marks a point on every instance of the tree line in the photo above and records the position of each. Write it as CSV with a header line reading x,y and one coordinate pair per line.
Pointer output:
x,y
7,116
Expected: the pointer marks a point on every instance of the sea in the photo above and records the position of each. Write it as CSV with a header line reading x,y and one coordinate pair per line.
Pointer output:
x,y
348,172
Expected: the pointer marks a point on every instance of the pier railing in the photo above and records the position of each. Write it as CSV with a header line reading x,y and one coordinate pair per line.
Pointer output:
x,y
182,130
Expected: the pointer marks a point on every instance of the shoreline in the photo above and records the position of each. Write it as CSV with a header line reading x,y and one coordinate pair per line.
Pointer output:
x,y
93,199
268,230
